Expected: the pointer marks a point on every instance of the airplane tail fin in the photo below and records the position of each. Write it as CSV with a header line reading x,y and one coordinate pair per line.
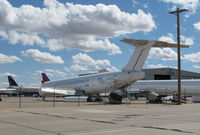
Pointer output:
x,y
11,81
141,52
44,78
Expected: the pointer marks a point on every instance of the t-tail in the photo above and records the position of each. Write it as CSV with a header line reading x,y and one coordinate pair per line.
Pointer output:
x,y
44,78
141,52
12,82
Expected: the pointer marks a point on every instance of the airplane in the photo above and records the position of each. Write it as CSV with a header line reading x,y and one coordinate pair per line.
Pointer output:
x,y
57,92
189,87
27,91
133,94
8,91
110,81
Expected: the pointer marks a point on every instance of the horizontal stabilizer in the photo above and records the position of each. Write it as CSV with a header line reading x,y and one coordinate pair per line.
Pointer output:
x,y
142,48
138,43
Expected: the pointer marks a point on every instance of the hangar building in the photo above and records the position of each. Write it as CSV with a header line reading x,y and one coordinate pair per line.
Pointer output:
x,y
168,74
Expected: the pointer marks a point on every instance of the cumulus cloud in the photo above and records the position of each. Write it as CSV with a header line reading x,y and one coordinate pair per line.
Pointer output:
x,y
77,67
168,53
8,59
74,26
23,38
191,5
162,54
194,57
4,35
82,62
83,58
197,26
159,66
170,39
4,84
196,66
112,69
186,40
135,3
52,73
42,57
7,74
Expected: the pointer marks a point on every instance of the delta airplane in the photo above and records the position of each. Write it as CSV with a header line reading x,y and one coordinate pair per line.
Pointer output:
x,y
8,91
21,89
57,92
110,81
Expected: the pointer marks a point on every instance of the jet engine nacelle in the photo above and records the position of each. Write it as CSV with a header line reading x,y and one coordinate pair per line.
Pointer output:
x,y
153,97
115,98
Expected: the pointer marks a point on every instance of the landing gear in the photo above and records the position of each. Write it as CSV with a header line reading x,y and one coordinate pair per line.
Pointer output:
x,y
115,98
94,99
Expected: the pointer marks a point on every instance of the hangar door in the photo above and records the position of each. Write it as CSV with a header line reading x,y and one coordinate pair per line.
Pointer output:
x,y
162,77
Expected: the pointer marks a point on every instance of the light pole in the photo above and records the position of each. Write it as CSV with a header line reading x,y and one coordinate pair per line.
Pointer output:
x,y
177,12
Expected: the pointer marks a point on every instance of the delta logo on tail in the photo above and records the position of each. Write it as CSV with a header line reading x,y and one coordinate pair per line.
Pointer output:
x,y
44,78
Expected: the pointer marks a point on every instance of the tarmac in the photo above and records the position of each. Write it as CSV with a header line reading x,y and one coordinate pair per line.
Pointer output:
x,y
37,117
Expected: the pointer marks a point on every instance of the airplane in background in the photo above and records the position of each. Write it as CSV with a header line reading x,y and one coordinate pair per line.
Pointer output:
x,y
14,89
27,91
8,91
189,87
110,81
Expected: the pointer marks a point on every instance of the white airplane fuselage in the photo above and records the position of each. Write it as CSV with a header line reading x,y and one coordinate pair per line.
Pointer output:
x,y
94,83
189,87
25,89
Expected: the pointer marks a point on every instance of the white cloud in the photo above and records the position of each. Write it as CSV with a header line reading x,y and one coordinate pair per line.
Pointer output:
x,y
86,45
23,38
4,84
168,53
191,5
42,57
112,69
158,66
8,59
197,26
52,73
7,74
194,57
135,3
169,38
84,59
74,26
77,67
66,69
83,62
196,66
4,35
162,54
186,41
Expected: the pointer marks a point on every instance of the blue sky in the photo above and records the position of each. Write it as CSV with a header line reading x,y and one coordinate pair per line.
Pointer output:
x,y
66,37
